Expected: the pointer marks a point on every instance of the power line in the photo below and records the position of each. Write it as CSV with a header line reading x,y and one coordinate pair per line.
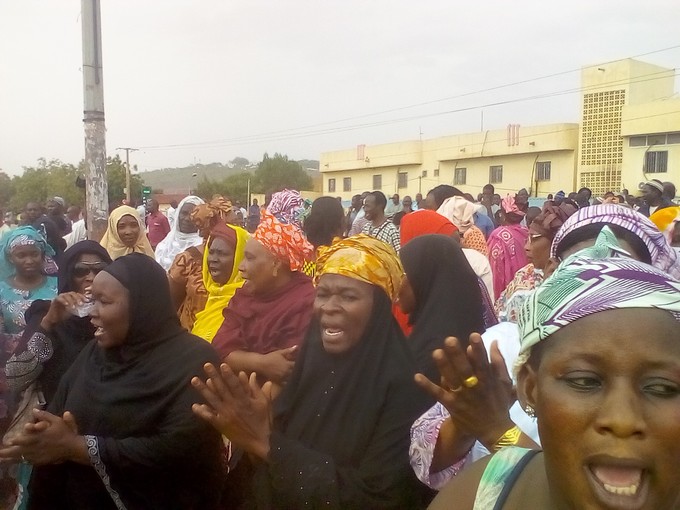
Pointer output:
x,y
265,136
339,129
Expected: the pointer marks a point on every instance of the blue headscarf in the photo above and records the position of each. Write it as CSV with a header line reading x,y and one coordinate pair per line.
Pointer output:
x,y
21,236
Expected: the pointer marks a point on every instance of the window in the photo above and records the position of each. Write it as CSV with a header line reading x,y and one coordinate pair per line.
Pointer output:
x,y
331,185
656,162
436,172
543,171
377,182
403,180
424,173
496,174
347,184
673,138
637,141
460,176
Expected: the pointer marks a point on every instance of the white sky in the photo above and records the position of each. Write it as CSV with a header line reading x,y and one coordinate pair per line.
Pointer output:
x,y
182,71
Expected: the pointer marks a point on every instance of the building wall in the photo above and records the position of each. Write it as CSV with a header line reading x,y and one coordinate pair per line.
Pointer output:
x,y
659,122
606,89
428,163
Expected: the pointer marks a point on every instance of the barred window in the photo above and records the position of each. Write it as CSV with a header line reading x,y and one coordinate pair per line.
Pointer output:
x,y
543,171
496,174
460,176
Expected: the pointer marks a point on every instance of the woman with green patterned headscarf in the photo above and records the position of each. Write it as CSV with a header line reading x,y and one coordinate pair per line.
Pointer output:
x,y
599,367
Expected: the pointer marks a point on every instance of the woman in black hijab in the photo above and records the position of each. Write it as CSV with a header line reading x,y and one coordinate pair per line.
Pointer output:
x,y
120,432
441,294
340,431
54,334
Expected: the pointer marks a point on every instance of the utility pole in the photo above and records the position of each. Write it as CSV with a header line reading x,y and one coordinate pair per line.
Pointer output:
x,y
128,172
97,199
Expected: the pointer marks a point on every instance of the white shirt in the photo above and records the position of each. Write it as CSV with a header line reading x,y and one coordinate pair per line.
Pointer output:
x,y
481,266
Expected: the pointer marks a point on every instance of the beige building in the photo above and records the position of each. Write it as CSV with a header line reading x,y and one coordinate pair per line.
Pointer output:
x,y
539,158
630,132
620,99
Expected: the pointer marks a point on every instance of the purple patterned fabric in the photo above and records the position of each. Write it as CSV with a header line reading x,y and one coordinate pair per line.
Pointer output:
x,y
287,206
662,254
594,280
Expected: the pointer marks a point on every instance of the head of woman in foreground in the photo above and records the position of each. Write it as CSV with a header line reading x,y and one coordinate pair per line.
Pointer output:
x,y
600,366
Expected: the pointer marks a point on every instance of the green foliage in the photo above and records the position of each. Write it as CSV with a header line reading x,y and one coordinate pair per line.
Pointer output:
x,y
6,189
47,179
274,174
54,178
234,187
115,171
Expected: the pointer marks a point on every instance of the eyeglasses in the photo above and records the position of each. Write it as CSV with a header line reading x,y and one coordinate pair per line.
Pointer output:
x,y
84,268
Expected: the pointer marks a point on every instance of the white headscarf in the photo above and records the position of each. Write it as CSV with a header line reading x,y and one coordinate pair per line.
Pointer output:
x,y
176,242
458,211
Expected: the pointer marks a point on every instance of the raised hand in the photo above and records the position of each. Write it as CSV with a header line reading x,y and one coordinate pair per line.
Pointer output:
x,y
237,407
477,393
278,365
60,308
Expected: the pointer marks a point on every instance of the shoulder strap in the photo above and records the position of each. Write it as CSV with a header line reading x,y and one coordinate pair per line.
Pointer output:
x,y
512,478
498,473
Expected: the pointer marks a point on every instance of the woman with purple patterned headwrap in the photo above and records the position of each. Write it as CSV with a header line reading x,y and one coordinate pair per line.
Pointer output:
x,y
636,233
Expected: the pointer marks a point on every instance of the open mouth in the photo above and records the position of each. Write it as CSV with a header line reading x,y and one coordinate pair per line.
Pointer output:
x,y
619,485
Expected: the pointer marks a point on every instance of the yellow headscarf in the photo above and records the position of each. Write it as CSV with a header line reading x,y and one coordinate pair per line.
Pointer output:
x,y
111,241
209,320
665,220
363,258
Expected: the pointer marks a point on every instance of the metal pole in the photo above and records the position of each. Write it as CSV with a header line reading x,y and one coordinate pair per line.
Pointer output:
x,y
248,199
97,200
128,171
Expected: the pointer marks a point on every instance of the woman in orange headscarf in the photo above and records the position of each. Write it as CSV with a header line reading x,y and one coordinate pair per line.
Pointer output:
x,y
266,320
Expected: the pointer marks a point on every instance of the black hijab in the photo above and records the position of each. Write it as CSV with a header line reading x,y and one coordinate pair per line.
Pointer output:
x,y
135,403
448,299
70,336
341,424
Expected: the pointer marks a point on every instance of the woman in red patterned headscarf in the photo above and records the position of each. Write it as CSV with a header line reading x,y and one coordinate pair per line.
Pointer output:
x,y
267,318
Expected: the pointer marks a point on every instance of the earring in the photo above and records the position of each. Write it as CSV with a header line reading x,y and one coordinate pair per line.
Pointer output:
x,y
531,412
276,271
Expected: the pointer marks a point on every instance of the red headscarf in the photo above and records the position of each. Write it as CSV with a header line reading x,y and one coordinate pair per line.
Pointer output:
x,y
424,222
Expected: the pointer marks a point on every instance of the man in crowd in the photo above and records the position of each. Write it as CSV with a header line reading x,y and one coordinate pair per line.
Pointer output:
x,y
669,191
583,197
253,216
8,223
407,207
354,209
393,207
156,223
34,216
172,210
378,225
55,211
419,203
360,220
653,198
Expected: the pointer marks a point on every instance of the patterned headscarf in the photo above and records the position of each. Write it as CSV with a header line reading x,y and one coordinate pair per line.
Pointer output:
x,y
551,218
510,206
594,280
660,251
205,216
287,206
22,236
285,240
363,258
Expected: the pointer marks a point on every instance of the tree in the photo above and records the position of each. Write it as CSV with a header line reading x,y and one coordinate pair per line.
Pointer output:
x,y
234,187
239,162
115,170
6,189
277,173
47,179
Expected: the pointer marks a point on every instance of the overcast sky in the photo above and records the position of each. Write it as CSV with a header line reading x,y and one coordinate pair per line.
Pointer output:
x,y
302,77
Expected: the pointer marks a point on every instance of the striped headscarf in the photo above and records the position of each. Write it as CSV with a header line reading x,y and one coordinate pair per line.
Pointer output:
x,y
662,255
596,279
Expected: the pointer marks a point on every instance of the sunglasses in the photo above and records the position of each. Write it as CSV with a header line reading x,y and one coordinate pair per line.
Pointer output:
x,y
84,268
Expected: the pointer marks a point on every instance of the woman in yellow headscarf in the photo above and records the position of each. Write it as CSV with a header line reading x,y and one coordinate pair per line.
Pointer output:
x,y
221,276
125,234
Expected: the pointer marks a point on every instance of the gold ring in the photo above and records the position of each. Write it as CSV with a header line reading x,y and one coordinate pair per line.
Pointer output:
x,y
471,381
454,390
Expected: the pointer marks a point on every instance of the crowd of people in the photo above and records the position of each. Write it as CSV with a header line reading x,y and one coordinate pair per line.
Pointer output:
x,y
445,351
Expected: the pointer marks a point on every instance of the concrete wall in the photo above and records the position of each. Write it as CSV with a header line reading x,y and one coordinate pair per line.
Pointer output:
x,y
428,163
